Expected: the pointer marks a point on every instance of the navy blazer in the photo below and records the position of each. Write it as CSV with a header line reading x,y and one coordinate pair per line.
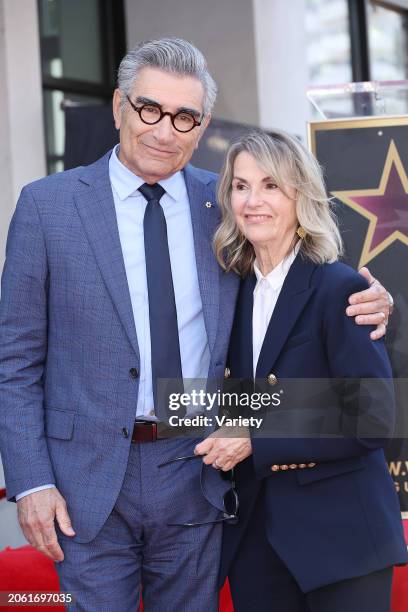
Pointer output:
x,y
340,518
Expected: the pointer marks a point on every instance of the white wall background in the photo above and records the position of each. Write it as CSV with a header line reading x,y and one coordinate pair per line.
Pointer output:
x,y
280,42
22,156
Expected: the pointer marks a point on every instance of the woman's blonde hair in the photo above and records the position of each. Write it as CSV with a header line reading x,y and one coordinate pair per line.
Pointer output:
x,y
288,164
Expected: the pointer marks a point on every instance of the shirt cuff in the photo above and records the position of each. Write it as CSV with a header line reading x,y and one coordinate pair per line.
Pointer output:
x,y
24,493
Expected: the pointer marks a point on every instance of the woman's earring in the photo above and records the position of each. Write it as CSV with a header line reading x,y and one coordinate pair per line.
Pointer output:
x,y
301,232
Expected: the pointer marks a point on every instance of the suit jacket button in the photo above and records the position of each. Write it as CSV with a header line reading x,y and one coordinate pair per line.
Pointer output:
x,y
272,380
125,432
134,372
275,468
302,465
293,466
227,373
284,467
310,465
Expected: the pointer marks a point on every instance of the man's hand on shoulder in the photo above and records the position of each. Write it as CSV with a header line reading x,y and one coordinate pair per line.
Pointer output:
x,y
371,306
36,514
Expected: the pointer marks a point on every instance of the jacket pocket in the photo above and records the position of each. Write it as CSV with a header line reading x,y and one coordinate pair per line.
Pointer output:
x,y
298,339
329,470
59,424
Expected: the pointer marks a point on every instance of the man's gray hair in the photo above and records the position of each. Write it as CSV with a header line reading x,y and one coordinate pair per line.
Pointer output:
x,y
171,55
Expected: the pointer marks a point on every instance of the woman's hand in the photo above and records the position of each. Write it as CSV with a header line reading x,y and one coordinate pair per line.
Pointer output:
x,y
226,447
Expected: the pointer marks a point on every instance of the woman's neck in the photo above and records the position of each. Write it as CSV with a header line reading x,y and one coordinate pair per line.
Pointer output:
x,y
268,256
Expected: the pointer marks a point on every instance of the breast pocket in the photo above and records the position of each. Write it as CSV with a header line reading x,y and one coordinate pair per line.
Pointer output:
x,y
298,339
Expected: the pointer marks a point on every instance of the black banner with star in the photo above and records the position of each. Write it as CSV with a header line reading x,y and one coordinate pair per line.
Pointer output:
x,y
365,162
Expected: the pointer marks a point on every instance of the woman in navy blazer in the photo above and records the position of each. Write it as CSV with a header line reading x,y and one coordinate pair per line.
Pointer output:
x,y
319,525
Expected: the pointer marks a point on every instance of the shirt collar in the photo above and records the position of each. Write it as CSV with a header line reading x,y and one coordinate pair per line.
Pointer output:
x,y
174,185
125,182
276,277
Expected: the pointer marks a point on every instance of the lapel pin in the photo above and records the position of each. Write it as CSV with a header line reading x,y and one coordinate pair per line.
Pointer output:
x,y
208,204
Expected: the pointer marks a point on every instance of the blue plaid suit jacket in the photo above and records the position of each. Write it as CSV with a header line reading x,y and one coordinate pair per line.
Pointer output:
x,y
68,338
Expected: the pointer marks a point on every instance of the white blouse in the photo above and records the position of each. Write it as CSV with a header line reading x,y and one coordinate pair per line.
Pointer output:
x,y
266,293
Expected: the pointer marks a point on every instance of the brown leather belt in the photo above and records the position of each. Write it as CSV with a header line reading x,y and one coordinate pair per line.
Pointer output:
x,y
150,431
144,431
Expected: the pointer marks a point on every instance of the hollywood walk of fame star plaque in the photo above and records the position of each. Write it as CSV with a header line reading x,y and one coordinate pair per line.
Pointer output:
x,y
365,164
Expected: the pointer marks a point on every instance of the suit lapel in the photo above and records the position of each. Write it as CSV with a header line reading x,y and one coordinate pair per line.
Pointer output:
x,y
95,205
295,294
204,221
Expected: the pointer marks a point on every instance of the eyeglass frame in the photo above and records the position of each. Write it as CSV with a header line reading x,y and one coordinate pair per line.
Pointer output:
x,y
172,116
232,518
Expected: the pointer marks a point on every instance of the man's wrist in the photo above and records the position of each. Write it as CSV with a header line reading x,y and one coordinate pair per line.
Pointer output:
x,y
34,490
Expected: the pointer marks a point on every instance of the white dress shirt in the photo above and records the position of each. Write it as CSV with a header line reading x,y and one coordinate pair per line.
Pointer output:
x,y
266,293
130,207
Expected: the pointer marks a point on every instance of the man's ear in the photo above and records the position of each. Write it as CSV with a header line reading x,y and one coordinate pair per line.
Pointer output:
x,y
117,112
203,127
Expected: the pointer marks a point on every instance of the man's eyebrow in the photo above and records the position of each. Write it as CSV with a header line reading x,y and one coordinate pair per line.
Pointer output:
x,y
143,100
191,111
182,109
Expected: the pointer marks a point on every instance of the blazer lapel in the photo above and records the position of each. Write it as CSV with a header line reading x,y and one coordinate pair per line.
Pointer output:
x,y
204,221
295,294
95,205
240,350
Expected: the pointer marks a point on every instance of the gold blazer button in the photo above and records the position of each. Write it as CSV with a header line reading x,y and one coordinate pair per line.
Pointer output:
x,y
275,468
272,380
293,466
284,467
302,465
311,465
227,373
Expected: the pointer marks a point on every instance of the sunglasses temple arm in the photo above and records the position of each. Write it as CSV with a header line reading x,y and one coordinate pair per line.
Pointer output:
x,y
187,458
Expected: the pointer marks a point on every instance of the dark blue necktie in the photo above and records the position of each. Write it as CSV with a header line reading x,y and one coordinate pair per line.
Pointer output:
x,y
165,347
